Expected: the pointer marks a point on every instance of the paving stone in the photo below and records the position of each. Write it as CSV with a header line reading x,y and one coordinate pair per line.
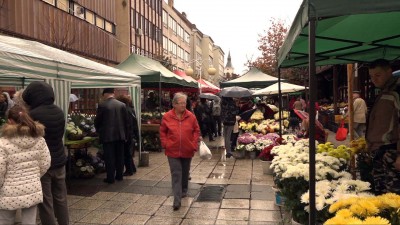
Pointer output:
x,y
71,199
263,196
184,201
116,206
168,211
236,194
164,184
202,213
130,197
260,188
136,189
157,220
151,199
235,204
231,222
77,214
264,215
197,221
127,218
233,214
103,195
144,209
235,187
146,183
263,205
208,205
100,217
87,204
160,191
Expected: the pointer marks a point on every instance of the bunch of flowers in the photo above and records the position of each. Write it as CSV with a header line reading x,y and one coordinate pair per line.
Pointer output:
x,y
246,142
342,151
152,117
377,210
257,115
248,127
358,146
83,122
291,173
328,192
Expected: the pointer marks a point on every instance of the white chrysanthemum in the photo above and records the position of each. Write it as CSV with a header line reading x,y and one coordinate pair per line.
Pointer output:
x,y
319,202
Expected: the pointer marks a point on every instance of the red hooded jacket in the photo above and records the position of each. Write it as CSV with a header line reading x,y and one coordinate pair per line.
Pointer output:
x,y
179,137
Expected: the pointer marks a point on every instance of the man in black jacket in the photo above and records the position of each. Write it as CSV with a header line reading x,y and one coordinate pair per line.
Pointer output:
x,y
39,96
111,124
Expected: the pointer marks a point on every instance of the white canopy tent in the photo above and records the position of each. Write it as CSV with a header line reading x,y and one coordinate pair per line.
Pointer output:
x,y
285,89
23,61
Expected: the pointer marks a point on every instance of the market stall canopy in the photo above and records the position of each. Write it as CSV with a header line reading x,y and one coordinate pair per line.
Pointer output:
x,y
346,32
22,61
207,86
184,76
274,89
153,73
253,78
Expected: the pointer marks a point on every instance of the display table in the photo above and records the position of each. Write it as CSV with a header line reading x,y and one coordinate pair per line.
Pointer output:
x,y
83,144
151,137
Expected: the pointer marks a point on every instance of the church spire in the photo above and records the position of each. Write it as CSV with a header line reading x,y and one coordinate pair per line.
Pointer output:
x,y
229,63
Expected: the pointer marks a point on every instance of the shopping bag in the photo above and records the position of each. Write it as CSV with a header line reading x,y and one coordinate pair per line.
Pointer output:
x,y
341,133
223,156
204,151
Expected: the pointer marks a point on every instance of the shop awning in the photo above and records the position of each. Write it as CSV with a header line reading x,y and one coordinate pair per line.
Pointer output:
x,y
153,73
208,87
346,32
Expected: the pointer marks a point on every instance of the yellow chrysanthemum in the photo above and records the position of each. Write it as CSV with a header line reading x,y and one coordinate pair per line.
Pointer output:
x,y
342,204
353,220
376,221
391,200
344,213
336,221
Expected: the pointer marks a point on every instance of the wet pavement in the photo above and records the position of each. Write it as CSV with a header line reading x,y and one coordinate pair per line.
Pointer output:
x,y
238,193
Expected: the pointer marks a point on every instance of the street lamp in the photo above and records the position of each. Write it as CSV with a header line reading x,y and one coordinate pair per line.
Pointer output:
x,y
211,70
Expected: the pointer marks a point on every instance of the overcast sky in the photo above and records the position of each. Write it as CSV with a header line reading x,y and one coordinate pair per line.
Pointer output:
x,y
235,25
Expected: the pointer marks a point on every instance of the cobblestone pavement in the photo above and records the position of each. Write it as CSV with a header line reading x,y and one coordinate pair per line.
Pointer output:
x,y
146,197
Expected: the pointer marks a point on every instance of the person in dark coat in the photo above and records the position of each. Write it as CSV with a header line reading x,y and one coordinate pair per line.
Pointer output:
x,y
132,136
111,124
229,111
39,97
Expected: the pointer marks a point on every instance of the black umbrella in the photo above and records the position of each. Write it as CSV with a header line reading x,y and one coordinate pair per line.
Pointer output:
x,y
208,96
235,92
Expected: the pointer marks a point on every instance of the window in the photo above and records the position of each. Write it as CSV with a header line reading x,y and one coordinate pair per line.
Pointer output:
x,y
165,43
186,56
79,11
100,22
109,27
165,18
186,37
210,47
51,2
174,26
89,16
198,41
170,22
63,5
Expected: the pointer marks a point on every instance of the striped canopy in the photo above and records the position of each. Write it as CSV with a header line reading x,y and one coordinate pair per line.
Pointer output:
x,y
23,61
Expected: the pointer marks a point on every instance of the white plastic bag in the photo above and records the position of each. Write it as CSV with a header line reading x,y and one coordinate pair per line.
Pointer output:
x,y
204,151
223,156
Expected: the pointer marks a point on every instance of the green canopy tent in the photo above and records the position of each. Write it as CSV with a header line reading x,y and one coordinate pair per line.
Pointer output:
x,y
154,74
339,32
253,78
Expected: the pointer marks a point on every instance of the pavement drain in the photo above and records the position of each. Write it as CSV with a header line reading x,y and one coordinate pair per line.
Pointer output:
x,y
218,175
211,193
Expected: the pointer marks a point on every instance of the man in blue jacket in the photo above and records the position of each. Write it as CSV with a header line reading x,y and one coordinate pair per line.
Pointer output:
x,y
39,96
111,124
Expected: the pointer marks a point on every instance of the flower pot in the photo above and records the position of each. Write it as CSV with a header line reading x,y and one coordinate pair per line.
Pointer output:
x,y
253,155
279,199
239,154
266,167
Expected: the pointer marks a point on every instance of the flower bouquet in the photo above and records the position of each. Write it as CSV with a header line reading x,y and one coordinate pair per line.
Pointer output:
x,y
377,210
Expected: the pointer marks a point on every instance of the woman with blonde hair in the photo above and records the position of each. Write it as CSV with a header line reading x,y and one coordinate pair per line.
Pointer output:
x,y
24,158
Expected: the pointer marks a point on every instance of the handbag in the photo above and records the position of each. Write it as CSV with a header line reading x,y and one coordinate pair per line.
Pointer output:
x,y
341,133
204,151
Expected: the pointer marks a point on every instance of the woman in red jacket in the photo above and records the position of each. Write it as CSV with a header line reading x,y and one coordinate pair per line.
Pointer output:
x,y
179,134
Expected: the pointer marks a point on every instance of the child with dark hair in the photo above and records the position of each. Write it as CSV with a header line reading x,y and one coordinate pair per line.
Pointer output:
x,y
24,158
